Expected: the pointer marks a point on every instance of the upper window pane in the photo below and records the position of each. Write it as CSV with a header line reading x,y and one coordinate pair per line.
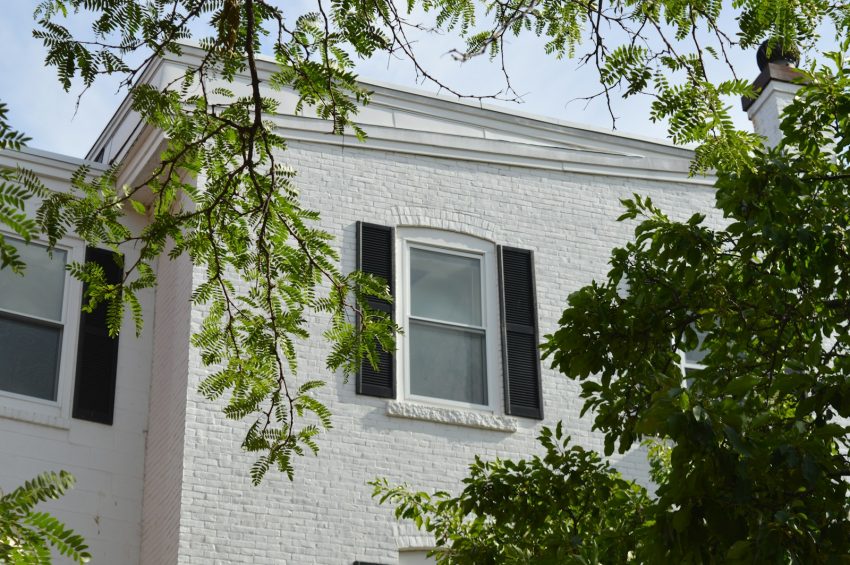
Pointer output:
x,y
445,287
40,291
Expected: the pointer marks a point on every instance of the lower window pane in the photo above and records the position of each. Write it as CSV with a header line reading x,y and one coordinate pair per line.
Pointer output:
x,y
29,358
447,363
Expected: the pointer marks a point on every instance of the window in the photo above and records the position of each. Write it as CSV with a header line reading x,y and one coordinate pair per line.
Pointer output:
x,y
36,340
49,349
692,359
462,302
447,308
415,557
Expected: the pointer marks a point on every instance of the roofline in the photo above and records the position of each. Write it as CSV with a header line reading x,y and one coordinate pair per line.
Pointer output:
x,y
531,116
124,108
268,65
50,164
575,143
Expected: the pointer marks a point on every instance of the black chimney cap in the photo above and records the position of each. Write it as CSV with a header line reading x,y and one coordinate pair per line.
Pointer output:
x,y
780,54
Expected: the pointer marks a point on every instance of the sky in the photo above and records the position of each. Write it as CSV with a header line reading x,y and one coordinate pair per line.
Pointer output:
x,y
549,87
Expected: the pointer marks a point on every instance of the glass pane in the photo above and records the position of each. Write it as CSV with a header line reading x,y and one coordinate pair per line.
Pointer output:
x,y
696,356
447,363
415,558
445,287
29,358
39,292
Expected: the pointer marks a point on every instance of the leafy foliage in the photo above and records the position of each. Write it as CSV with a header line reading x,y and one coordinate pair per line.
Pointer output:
x,y
27,535
16,187
268,268
222,194
565,507
750,453
758,460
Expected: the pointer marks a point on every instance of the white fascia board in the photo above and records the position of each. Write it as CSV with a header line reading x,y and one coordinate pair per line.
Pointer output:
x,y
552,145
492,151
123,114
47,164
482,115
516,122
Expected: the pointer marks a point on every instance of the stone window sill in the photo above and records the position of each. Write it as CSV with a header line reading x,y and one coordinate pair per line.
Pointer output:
x,y
453,416
34,417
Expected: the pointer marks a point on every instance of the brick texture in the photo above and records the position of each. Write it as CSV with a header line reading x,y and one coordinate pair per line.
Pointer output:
x,y
327,514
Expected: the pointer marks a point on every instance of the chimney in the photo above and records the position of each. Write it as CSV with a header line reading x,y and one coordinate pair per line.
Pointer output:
x,y
776,89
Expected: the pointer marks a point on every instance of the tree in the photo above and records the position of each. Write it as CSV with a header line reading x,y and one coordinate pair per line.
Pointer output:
x,y
757,439
26,536
566,507
247,222
13,196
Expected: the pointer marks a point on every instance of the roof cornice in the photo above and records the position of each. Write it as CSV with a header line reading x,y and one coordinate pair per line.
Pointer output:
x,y
47,164
540,142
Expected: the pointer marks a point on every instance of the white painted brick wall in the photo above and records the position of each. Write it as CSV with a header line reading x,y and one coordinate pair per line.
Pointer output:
x,y
164,455
766,111
327,515
105,506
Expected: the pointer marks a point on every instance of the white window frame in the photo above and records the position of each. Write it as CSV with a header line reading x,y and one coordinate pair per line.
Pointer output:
x,y
684,365
30,407
465,246
688,364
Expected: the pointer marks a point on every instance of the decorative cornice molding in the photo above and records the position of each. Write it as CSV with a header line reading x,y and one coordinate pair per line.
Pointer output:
x,y
462,130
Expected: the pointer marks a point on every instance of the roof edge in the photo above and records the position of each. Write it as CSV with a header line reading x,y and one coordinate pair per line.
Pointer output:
x,y
58,161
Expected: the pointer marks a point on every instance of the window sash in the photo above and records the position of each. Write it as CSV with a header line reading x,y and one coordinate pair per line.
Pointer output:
x,y
457,325
56,372
443,242
40,292
26,406
459,374
451,252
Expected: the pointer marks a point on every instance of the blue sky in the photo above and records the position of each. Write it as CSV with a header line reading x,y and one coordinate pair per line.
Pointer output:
x,y
40,108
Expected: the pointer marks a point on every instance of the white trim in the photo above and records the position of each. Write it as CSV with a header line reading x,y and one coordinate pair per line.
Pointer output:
x,y
466,246
494,135
47,164
491,151
54,412
405,98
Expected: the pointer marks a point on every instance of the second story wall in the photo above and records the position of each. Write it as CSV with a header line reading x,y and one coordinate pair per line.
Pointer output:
x,y
38,428
327,514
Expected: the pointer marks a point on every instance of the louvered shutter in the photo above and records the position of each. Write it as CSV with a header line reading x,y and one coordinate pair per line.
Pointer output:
x,y
97,353
375,255
520,355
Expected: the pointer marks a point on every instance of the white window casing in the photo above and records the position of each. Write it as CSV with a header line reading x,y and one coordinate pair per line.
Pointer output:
x,y
425,247
36,305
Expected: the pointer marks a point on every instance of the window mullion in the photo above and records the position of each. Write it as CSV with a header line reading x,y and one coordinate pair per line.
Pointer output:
x,y
445,323
32,319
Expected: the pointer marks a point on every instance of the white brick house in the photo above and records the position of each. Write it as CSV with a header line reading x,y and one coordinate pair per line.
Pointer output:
x,y
162,480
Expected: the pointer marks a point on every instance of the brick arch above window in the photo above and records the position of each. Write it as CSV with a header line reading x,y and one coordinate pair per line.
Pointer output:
x,y
448,220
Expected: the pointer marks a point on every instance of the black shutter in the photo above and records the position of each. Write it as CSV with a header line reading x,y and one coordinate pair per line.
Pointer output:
x,y
375,255
520,356
97,353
